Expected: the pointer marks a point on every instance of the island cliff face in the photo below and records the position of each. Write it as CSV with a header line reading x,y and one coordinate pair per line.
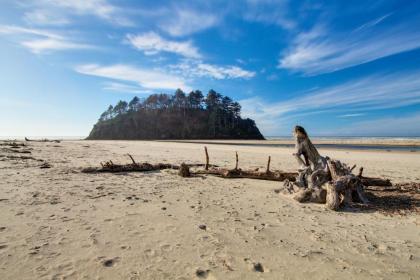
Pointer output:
x,y
178,116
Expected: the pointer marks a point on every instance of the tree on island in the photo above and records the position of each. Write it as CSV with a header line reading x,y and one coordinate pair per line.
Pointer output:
x,y
177,116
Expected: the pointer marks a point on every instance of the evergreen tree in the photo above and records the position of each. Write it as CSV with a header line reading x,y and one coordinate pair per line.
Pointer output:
x,y
177,116
133,104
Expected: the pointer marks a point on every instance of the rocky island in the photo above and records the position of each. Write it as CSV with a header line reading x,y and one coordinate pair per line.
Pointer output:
x,y
177,116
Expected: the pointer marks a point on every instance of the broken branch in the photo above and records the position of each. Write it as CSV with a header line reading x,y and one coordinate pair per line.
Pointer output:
x,y
207,158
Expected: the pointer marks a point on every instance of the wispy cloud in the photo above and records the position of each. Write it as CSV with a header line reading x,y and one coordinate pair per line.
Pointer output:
x,y
372,22
54,9
16,30
52,44
151,43
269,12
322,50
45,17
190,68
186,21
146,78
39,40
125,88
388,126
352,115
353,97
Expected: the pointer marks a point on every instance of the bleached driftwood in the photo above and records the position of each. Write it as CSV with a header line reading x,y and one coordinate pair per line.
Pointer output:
x,y
42,140
249,174
111,167
236,172
13,144
184,169
323,180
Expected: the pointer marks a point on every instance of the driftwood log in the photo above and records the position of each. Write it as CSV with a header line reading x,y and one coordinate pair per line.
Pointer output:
x,y
236,172
324,180
211,169
249,174
111,167
319,179
13,144
42,140
184,169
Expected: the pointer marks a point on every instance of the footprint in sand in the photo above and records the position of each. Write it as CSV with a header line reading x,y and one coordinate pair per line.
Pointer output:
x,y
201,273
150,252
166,247
110,262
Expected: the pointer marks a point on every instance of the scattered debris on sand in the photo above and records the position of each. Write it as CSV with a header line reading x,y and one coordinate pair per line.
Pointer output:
x,y
45,165
42,140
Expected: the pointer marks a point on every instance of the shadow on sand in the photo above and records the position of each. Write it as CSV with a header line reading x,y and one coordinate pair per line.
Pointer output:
x,y
400,199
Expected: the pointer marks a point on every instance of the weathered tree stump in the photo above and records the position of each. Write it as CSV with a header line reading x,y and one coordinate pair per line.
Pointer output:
x,y
184,170
323,180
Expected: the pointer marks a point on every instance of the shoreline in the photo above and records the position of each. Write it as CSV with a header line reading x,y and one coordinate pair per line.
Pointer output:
x,y
329,145
402,145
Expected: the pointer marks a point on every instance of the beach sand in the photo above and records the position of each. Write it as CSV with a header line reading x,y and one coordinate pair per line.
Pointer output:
x,y
58,223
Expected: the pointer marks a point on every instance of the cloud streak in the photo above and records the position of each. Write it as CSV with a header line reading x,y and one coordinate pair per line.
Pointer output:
x,y
321,50
151,43
39,40
125,88
269,12
194,69
45,17
354,97
186,21
102,9
146,78
388,126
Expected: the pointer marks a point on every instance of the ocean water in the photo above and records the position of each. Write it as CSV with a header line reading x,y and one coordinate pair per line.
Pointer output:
x,y
402,143
341,138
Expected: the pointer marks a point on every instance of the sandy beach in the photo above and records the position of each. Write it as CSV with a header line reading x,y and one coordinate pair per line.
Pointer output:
x,y
58,223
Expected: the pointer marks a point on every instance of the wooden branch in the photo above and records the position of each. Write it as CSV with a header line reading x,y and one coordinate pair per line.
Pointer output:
x,y
237,160
360,172
110,167
249,174
42,140
207,158
132,159
14,150
13,144
268,165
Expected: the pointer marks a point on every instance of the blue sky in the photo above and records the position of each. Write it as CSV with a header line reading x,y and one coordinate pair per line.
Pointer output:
x,y
349,68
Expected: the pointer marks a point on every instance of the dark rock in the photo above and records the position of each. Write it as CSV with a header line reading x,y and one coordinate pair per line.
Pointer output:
x,y
203,227
108,263
258,267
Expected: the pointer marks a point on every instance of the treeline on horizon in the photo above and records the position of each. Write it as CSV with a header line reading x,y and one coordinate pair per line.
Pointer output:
x,y
177,116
